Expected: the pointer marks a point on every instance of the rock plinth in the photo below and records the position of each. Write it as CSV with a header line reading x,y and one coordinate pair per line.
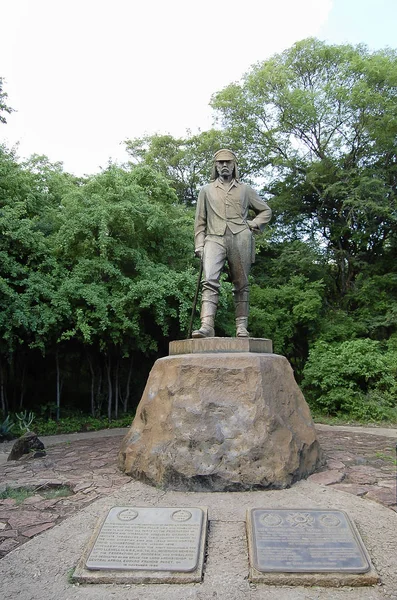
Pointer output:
x,y
221,422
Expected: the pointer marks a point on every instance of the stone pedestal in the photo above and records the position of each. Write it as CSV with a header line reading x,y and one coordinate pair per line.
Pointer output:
x,y
221,421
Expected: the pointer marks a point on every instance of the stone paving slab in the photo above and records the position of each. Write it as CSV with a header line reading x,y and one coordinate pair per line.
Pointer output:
x,y
358,463
88,467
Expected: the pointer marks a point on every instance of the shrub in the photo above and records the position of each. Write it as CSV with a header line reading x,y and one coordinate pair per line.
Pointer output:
x,y
356,377
6,429
78,423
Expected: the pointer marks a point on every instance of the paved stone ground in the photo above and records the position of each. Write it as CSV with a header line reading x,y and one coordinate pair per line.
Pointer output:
x,y
360,463
86,466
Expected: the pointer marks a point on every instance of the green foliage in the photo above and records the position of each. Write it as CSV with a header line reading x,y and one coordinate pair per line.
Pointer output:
x,y
6,429
97,273
123,243
185,162
28,272
4,108
17,494
79,423
63,491
356,377
289,314
24,420
21,494
104,263
318,122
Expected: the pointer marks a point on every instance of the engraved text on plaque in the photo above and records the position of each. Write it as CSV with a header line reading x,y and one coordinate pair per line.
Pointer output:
x,y
303,540
153,539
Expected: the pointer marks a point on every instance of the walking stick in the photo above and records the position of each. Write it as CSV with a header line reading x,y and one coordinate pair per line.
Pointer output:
x,y
195,299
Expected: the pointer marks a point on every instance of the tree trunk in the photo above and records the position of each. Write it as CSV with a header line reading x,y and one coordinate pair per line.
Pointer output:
x,y
92,386
13,385
127,388
99,397
58,412
22,394
3,394
116,389
110,387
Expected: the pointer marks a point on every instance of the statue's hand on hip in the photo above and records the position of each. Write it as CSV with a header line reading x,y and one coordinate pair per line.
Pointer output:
x,y
253,227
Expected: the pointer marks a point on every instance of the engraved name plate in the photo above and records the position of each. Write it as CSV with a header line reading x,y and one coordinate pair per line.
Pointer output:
x,y
308,541
152,539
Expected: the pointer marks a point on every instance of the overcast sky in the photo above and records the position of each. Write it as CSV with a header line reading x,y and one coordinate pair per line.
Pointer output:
x,y
84,75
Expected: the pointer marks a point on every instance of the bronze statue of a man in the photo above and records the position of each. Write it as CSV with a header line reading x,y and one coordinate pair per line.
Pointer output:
x,y
223,231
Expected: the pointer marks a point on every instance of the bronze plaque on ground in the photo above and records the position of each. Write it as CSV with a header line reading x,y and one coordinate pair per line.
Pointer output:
x,y
306,547
306,541
135,544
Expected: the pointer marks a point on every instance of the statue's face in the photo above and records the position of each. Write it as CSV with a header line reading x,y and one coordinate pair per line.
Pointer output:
x,y
224,167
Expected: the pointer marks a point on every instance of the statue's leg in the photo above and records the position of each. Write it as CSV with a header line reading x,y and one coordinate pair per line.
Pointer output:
x,y
239,257
213,261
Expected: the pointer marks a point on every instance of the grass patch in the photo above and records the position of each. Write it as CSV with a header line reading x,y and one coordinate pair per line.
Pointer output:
x,y
69,576
21,494
386,457
55,492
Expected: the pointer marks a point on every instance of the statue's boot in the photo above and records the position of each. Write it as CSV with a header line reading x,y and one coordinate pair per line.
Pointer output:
x,y
241,327
242,306
208,310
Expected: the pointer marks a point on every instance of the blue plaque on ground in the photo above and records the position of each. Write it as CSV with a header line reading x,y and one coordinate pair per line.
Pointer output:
x,y
305,541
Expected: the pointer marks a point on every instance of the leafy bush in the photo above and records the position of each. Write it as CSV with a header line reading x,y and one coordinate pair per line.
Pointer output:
x,y
356,377
6,429
78,423
287,312
25,420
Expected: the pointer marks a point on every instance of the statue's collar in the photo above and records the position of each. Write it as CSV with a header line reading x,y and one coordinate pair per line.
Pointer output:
x,y
233,183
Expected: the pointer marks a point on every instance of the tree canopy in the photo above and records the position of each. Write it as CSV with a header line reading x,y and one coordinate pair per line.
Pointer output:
x,y
319,124
97,273
4,108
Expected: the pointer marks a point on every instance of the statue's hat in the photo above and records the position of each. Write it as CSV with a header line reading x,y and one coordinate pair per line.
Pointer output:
x,y
225,154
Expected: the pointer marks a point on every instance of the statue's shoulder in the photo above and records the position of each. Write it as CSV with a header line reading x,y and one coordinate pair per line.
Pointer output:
x,y
207,187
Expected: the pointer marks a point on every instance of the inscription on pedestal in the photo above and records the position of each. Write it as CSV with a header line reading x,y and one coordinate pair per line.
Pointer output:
x,y
221,345
148,539
305,541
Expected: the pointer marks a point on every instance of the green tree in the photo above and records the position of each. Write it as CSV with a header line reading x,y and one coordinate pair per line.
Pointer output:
x,y
125,243
4,108
28,272
319,123
355,377
185,162
289,314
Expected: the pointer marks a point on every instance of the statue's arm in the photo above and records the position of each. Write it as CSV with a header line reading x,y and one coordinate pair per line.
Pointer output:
x,y
200,224
261,208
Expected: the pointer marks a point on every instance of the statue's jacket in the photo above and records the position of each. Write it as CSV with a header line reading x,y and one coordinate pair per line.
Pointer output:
x,y
219,207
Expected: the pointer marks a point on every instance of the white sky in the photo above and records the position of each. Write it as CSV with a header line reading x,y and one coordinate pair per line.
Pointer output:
x,y
84,75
